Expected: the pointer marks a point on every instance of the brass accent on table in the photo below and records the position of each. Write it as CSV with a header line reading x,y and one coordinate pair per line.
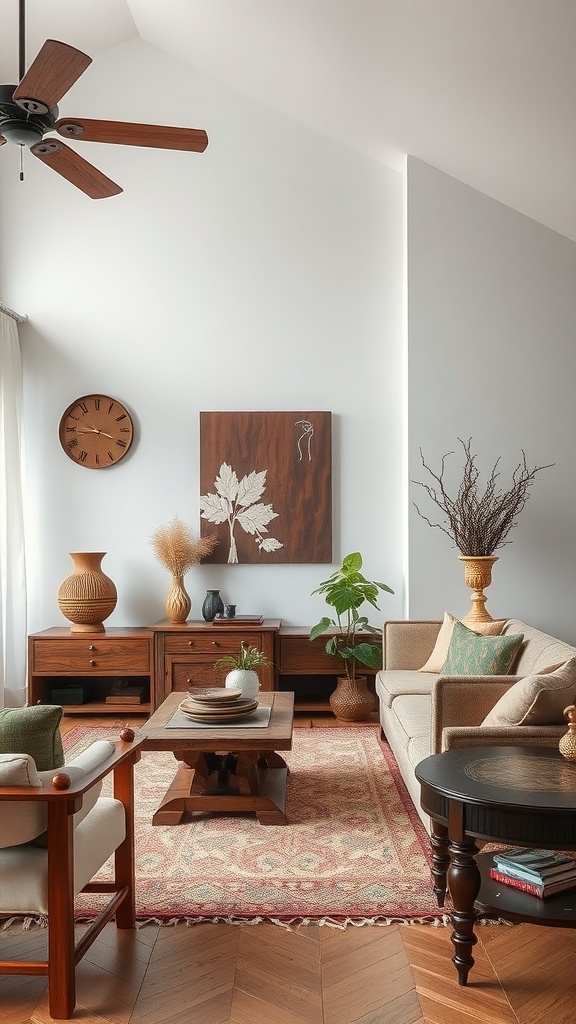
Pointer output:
x,y
567,744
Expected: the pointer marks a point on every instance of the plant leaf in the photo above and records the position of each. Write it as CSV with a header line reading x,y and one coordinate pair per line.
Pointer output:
x,y
368,654
320,627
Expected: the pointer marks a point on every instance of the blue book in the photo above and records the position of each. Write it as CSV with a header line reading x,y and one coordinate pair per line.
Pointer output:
x,y
534,865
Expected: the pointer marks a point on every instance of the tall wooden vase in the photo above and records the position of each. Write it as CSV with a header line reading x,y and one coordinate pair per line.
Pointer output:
x,y
478,576
178,603
87,596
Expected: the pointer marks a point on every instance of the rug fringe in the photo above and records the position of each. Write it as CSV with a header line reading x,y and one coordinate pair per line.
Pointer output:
x,y
289,924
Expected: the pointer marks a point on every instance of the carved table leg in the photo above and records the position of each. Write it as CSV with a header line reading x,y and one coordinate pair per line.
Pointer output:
x,y
440,844
464,885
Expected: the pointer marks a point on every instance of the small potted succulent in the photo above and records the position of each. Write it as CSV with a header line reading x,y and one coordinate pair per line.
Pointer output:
x,y
243,675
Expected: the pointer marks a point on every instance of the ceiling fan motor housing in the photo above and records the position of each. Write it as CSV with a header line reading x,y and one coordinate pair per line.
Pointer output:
x,y
24,129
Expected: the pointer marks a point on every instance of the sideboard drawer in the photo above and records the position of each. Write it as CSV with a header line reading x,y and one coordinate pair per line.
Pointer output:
x,y
130,657
301,655
298,655
181,643
186,675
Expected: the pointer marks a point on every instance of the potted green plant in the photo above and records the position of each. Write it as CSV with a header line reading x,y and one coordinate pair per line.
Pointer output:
x,y
243,673
346,591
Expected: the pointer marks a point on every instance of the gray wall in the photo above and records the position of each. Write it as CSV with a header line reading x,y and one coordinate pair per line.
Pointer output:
x,y
491,355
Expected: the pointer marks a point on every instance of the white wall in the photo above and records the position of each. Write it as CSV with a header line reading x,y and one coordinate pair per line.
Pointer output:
x,y
491,324
263,274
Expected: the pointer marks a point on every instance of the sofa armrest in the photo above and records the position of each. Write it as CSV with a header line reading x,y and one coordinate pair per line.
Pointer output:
x,y
502,736
463,701
408,643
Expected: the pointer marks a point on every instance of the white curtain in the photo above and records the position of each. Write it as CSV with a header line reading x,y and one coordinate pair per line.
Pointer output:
x,y
13,620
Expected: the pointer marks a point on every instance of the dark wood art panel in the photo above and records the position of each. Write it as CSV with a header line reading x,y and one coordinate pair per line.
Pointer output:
x,y
266,486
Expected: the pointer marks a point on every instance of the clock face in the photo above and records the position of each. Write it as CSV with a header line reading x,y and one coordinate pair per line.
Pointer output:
x,y
96,431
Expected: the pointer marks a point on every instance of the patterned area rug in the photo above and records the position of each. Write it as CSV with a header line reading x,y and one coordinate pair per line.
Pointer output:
x,y
354,851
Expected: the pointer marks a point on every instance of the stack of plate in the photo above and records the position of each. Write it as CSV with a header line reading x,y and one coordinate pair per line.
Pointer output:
x,y
217,705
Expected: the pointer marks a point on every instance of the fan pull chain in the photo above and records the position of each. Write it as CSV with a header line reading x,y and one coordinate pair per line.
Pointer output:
x,y
21,163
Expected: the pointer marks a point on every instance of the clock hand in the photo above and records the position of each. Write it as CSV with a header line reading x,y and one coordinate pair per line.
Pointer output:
x,y
93,430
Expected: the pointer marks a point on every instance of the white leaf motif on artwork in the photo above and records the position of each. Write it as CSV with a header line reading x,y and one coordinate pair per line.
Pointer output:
x,y
270,544
213,509
226,483
236,502
256,518
251,488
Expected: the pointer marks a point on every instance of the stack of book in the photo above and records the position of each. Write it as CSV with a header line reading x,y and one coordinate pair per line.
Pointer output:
x,y
122,693
538,872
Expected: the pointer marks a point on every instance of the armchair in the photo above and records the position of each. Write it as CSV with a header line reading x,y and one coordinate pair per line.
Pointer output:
x,y
56,831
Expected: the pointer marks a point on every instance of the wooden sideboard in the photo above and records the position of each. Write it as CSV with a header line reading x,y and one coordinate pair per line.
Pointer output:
x,y
170,656
304,667
59,660
186,652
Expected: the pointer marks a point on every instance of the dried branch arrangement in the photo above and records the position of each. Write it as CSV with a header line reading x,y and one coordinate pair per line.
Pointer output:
x,y
177,548
478,523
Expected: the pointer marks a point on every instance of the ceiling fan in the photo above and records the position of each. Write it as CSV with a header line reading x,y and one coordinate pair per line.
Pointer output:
x,y
29,111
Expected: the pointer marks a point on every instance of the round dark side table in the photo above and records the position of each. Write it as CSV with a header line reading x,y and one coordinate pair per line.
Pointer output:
x,y
521,796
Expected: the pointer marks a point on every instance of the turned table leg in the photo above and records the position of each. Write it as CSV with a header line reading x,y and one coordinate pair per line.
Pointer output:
x,y
440,844
464,885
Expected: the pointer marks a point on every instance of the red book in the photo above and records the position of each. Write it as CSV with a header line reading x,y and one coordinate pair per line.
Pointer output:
x,y
531,887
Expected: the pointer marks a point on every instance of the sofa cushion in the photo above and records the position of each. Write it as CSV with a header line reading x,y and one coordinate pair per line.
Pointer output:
x,y
34,731
536,700
393,682
25,821
411,714
473,655
539,650
418,749
440,652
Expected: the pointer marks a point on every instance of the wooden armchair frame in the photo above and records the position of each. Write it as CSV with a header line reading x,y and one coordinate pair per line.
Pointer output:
x,y
62,803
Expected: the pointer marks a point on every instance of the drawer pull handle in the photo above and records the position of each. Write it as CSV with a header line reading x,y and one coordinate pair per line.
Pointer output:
x,y
190,643
188,682
91,647
215,643
92,662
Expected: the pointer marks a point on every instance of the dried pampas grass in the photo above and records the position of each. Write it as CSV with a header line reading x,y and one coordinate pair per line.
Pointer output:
x,y
177,548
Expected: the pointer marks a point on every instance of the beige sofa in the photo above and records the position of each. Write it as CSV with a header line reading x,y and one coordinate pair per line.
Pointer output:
x,y
423,713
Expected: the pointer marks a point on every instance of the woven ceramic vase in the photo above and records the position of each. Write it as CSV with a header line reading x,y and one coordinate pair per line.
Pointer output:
x,y
352,701
87,596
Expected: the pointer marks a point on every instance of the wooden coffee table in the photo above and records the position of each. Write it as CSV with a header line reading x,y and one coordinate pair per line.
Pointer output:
x,y
228,768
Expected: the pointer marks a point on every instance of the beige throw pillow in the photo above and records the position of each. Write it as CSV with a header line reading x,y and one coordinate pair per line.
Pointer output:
x,y
536,700
440,652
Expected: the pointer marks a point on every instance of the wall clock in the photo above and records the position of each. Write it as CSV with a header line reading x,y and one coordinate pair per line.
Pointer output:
x,y
96,431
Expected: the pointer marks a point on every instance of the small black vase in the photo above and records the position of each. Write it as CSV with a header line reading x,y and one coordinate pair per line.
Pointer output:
x,y
212,606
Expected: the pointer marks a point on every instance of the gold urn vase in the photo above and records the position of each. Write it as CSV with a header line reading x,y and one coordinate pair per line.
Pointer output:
x,y
87,596
478,576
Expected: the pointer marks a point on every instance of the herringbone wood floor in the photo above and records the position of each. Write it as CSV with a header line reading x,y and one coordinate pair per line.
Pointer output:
x,y
264,974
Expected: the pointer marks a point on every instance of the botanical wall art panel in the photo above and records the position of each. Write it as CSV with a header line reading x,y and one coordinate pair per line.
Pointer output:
x,y
266,486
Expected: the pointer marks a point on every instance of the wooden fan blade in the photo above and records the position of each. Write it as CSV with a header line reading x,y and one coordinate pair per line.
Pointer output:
x,y
75,169
2,140
125,133
52,72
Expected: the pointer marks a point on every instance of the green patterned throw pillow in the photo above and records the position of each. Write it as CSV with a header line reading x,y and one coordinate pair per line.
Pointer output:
x,y
473,655
34,731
